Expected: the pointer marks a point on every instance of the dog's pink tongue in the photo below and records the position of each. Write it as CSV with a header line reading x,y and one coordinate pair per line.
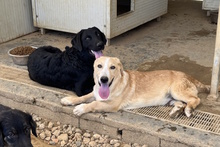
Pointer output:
x,y
104,91
98,54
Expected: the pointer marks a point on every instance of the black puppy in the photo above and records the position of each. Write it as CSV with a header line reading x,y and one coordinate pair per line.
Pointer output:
x,y
15,128
71,69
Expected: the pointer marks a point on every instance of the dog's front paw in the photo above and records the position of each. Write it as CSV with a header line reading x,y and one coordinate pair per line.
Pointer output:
x,y
66,101
189,112
79,110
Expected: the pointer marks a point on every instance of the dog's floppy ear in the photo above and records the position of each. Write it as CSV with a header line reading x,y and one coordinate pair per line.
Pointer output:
x,y
76,41
102,35
32,123
121,67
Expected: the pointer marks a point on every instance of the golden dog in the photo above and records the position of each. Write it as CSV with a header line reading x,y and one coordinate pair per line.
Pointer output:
x,y
116,89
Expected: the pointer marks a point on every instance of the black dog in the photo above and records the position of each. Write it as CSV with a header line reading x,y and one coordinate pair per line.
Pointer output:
x,y
71,69
15,128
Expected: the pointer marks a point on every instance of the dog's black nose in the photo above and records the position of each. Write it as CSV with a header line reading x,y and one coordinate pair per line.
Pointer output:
x,y
100,44
104,79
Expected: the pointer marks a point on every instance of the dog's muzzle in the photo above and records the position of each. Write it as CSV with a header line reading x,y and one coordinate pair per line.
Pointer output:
x,y
104,80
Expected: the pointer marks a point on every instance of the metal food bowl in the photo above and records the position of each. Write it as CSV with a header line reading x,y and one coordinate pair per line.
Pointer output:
x,y
21,59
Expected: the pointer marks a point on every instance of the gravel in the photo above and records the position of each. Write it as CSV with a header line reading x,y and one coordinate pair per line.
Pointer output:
x,y
66,135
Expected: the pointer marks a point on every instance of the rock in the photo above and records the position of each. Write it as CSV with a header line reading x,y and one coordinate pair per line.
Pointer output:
x,y
86,135
56,133
96,136
47,133
52,143
86,140
136,145
63,143
41,126
53,129
63,137
47,139
50,125
42,135
92,144
117,145
126,145
55,140
78,143
114,141
78,136
78,131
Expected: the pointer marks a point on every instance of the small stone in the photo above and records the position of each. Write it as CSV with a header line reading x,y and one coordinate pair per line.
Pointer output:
x,y
52,143
56,133
53,137
78,136
114,141
96,136
53,129
42,135
126,145
78,131
47,133
78,143
63,137
55,140
101,140
58,123
70,132
144,145
41,126
86,140
62,143
117,145
47,138
92,144
136,145
87,135
50,125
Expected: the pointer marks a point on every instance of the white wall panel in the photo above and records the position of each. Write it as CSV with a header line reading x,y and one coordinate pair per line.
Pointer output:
x,y
15,19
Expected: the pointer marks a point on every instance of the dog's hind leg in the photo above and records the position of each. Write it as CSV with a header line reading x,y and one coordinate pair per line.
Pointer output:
x,y
187,93
71,100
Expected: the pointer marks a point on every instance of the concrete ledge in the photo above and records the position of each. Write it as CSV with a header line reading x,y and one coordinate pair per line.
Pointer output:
x,y
122,125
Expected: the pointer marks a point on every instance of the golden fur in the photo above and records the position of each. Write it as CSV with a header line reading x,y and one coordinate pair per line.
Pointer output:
x,y
134,89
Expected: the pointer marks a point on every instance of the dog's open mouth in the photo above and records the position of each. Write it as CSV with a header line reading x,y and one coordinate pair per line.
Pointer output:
x,y
97,53
104,90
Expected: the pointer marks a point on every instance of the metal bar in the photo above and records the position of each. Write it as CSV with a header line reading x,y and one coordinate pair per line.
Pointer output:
x,y
216,65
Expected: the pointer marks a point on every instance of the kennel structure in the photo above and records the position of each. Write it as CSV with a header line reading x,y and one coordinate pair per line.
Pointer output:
x,y
15,19
112,17
210,4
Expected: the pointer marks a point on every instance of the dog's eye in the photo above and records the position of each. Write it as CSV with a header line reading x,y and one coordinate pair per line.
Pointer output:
x,y
10,135
98,34
88,38
27,130
99,66
112,67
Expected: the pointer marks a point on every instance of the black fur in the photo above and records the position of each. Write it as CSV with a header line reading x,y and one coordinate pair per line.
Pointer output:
x,y
15,127
71,69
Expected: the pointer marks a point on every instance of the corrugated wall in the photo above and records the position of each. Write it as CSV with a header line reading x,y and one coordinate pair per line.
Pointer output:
x,y
15,19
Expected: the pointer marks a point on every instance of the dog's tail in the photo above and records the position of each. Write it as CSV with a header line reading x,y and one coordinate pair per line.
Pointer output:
x,y
202,87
